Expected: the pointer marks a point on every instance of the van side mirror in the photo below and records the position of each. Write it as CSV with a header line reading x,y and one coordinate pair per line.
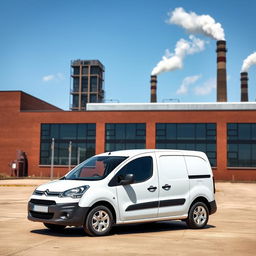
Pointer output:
x,y
126,179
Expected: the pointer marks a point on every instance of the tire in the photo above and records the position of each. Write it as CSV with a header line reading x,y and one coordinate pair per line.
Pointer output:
x,y
54,227
198,215
99,221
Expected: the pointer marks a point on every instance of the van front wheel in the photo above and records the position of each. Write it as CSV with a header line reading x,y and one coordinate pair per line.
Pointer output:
x,y
198,216
99,221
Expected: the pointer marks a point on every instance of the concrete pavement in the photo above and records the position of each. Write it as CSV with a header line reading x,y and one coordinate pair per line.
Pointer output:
x,y
231,231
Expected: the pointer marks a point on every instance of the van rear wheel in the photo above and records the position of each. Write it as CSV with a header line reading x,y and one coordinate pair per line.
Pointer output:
x,y
198,216
99,221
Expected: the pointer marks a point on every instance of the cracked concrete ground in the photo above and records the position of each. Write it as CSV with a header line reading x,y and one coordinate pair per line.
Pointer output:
x,y
230,231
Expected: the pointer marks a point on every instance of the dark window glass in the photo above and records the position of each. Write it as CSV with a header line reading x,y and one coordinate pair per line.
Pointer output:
x,y
241,144
75,101
76,84
81,136
95,70
100,84
84,100
85,84
125,136
185,131
93,84
93,98
95,168
85,70
199,136
68,131
76,70
141,168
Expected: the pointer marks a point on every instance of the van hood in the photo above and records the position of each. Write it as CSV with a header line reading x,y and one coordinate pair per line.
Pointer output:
x,y
63,185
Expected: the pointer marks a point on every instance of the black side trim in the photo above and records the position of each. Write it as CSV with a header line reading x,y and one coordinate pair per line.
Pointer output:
x,y
213,207
156,204
199,176
172,202
142,206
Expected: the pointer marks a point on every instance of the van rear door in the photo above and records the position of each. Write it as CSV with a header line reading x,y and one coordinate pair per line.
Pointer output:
x,y
173,184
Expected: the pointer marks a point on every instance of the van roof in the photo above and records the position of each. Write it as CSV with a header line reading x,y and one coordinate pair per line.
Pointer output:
x,y
134,152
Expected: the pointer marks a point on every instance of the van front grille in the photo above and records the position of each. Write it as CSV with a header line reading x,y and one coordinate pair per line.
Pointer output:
x,y
42,202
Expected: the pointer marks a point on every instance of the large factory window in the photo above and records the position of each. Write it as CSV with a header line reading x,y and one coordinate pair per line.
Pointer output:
x,y
82,137
194,136
125,136
241,144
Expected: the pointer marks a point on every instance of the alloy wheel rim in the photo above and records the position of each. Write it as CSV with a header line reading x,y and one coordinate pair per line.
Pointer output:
x,y
199,215
100,221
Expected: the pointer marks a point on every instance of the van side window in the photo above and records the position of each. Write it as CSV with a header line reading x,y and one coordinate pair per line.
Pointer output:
x,y
141,168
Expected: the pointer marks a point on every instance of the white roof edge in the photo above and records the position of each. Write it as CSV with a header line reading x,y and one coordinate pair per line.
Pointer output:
x,y
134,152
171,106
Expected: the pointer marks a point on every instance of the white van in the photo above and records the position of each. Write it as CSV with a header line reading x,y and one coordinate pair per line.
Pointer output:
x,y
128,186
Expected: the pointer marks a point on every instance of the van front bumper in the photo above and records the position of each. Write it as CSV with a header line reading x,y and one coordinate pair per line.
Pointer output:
x,y
67,214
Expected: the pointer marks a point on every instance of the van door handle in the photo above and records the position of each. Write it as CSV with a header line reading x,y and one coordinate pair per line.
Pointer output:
x,y
152,189
166,187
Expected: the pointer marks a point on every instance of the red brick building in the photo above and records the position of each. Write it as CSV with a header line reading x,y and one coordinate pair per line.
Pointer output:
x,y
225,131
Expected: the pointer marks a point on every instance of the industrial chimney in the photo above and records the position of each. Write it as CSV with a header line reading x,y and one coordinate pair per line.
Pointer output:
x,y
244,86
153,83
221,71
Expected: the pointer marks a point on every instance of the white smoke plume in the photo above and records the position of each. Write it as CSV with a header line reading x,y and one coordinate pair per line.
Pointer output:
x,y
197,24
248,62
172,61
187,81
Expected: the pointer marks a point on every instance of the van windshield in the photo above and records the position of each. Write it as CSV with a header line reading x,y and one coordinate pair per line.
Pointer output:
x,y
95,168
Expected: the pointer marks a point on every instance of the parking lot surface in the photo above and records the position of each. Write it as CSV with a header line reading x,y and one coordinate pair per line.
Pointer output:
x,y
230,231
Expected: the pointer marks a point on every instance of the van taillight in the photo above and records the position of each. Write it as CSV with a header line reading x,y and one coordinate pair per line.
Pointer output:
x,y
213,181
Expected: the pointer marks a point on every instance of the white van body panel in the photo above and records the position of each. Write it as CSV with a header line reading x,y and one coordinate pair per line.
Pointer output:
x,y
199,166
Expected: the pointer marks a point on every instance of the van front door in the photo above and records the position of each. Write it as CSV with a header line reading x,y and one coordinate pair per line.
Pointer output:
x,y
139,199
173,185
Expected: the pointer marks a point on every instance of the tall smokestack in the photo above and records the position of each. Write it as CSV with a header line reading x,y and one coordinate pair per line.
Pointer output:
x,y
153,83
244,86
221,71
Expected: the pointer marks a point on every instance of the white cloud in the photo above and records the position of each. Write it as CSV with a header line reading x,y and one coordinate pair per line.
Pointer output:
x,y
206,88
55,77
187,81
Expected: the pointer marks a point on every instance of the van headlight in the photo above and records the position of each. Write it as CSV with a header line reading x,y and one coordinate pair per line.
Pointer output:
x,y
75,192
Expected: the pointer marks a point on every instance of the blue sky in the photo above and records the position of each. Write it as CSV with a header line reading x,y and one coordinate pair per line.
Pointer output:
x,y
39,38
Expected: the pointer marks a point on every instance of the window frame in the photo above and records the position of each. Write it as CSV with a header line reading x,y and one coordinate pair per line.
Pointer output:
x,y
87,144
167,133
234,143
